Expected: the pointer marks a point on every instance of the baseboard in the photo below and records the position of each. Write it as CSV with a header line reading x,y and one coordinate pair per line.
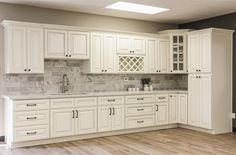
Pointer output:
x,y
234,129
2,138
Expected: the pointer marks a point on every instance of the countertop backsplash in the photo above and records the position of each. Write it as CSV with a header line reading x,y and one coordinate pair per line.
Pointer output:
x,y
79,82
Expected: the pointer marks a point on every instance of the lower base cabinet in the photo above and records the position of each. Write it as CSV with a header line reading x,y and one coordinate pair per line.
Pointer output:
x,y
139,121
162,113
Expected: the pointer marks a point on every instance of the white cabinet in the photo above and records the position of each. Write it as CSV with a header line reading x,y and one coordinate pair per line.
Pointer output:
x,y
173,108
199,52
199,110
162,113
23,49
157,55
127,44
60,44
183,109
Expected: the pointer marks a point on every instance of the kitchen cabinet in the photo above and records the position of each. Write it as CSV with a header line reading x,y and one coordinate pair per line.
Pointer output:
x,y
162,109
199,52
183,109
62,44
173,108
23,49
128,44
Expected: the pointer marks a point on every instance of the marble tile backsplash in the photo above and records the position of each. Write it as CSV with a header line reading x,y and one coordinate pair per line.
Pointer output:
x,y
79,82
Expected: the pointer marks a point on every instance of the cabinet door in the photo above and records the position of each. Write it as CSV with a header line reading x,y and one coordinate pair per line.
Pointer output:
x,y
163,56
104,118
162,113
35,50
183,109
193,100
78,46
205,101
124,44
152,56
138,46
193,53
118,117
205,53
62,123
109,53
173,108
86,120
55,44
16,48
97,52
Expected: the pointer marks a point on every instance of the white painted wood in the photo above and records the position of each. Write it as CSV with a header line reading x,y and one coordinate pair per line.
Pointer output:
x,y
86,122
139,46
152,55
173,108
162,98
55,43
118,117
124,44
183,108
163,61
78,45
111,100
162,113
139,109
205,53
139,99
30,105
62,103
193,53
139,121
85,101
104,118
62,122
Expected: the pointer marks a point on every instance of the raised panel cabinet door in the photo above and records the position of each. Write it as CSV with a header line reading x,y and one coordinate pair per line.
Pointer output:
x,y
109,53
97,52
173,108
138,46
152,56
17,51
35,50
86,120
183,109
205,101
78,46
193,100
118,117
193,53
163,61
55,44
205,53
124,44
162,113
62,122
104,118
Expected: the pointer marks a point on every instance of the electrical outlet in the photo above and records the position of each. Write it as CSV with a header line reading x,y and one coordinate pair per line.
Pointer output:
x,y
126,78
233,115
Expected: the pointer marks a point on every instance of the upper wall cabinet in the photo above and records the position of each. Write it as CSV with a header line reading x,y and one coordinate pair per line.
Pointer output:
x,y
61,44
23,49
199,52
157,55
128,44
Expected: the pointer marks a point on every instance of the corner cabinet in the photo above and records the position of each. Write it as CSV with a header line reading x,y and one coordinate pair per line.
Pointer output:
x,y
23,49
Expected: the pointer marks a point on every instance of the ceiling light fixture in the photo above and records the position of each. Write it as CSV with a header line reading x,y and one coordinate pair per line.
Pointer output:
x,y
133,7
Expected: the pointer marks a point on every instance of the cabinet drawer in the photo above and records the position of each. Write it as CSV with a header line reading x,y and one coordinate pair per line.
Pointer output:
x,y
162,98
85,101
140,99
111,100
144,109
25,105
31,133
31,118
62,103
142,121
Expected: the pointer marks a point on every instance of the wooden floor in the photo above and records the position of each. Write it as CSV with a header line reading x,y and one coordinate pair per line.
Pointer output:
x,y
163,142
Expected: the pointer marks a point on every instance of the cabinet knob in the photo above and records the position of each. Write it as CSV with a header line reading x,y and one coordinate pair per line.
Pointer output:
x,y
69,55
105,70
102,70
66,55
29,70
25,70
171,71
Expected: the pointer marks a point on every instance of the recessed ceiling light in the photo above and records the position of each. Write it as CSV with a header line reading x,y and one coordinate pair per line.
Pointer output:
x,y
133,7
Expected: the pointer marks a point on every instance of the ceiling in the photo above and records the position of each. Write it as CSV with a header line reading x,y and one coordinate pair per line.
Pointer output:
x,y
181,11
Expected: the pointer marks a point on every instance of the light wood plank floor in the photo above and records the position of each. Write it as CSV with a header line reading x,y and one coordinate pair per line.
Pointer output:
x,y
163,142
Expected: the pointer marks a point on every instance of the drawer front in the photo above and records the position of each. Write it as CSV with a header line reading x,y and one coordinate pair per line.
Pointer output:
x,y
31,118
91,101
162,98
111,100
26,105
140,99
142,121
31,133
62,103
144,109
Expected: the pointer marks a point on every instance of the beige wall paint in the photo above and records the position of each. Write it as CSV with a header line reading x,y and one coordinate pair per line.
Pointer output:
x,y
52,16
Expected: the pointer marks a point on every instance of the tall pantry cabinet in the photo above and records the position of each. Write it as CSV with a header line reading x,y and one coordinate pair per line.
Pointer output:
x,y
210,79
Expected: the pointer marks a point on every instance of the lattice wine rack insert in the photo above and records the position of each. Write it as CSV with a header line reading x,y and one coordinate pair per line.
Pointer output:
x,y
131,64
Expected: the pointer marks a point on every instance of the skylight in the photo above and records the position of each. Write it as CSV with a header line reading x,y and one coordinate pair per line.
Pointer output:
x,y
133,7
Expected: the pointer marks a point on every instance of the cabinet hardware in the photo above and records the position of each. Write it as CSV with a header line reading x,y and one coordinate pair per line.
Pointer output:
x,y
140,109
111,100
25,70
77,113
159,70
140,121
110,111
66,55
162,98
171,71
105,70
31,133
73,114
29,70
157,108
69,55
31,105
140,98
113,111
30,118
102,70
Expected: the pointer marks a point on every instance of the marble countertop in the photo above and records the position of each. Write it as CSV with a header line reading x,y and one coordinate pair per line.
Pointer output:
x,y
89,94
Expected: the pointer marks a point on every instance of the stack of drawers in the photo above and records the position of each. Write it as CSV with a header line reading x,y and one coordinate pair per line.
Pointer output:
x,y
139,111
30,120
